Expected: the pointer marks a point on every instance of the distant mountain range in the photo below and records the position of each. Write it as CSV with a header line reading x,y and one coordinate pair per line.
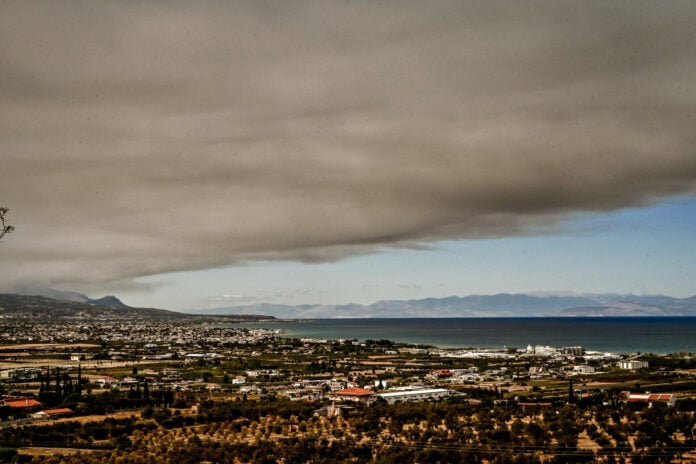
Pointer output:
x,y
48,302
501,305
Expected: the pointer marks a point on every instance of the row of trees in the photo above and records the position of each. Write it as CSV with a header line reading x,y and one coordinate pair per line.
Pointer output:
x,y
54,389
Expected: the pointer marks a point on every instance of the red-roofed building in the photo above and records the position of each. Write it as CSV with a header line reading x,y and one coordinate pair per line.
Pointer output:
x,y
22,403
106,381
50,413
355,394
650,398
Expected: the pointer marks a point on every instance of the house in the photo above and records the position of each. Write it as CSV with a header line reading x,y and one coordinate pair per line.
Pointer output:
x,y
106,381
22,403
583,369
354,394
334,410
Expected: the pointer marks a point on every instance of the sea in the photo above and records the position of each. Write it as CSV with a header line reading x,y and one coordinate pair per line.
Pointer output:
x,y
659,335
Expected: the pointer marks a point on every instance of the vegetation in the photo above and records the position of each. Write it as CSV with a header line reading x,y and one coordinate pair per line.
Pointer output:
x,y
448,431
5,228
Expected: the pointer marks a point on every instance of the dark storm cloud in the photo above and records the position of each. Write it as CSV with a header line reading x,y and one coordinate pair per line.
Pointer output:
x,y
142,138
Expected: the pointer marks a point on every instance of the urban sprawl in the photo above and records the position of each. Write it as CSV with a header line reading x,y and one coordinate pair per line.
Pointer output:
x,y
192,391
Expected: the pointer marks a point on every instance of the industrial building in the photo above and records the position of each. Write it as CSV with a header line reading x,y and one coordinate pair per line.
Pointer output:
x,y
414,395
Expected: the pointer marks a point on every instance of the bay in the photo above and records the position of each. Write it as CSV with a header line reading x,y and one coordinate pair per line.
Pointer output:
x,y
607,334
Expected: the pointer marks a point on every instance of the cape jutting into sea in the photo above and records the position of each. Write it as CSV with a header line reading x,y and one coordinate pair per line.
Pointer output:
x,y
606,334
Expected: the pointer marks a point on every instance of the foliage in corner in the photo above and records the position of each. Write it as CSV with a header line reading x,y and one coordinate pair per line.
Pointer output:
x,y
4,227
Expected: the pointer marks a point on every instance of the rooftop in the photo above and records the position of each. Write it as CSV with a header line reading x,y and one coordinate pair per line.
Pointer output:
x,y
354,391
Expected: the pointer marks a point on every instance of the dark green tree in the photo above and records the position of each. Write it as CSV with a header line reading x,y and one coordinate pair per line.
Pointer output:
x,y
78,388
8,454
59,390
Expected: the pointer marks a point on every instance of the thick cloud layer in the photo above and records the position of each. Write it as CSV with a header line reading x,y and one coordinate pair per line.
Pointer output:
x,y
138,138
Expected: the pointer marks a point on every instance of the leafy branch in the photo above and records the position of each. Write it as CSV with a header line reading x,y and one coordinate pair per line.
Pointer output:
x,y
4,227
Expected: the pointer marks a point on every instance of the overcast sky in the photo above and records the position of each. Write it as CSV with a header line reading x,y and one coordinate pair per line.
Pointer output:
x,y
184,154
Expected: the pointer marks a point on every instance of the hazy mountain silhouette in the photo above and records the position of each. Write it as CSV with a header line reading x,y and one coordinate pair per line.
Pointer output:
x,y
500,305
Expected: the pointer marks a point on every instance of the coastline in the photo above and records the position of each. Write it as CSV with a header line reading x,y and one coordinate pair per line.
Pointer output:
x,y
653,334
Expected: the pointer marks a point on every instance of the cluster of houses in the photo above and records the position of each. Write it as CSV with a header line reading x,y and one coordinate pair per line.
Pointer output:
x,y
155,335
22,403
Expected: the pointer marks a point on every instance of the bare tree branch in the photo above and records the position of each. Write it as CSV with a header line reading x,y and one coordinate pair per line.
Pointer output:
x,y
4,227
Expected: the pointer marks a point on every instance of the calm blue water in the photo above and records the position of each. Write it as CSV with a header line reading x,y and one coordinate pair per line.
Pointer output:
x,y
611,334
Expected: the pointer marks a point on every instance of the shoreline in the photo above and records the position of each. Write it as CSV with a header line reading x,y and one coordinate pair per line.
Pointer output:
x,y
624,335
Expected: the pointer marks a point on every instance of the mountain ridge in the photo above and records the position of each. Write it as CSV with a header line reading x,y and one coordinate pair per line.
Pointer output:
x,y
37,306
77,297
27,307
498,305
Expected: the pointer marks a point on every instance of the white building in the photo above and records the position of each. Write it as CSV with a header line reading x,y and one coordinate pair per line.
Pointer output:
x,y
583,369
542,350
106,381
633,364
414,395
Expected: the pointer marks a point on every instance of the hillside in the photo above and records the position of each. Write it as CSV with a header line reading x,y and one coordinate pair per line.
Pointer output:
x,y
643,308
26,306
107,308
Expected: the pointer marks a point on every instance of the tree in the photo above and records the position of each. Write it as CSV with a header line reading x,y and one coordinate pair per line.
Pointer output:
x,y
78,389
5,228
8,454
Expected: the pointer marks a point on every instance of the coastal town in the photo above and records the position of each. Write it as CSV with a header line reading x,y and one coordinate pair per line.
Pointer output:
x,y
170,378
